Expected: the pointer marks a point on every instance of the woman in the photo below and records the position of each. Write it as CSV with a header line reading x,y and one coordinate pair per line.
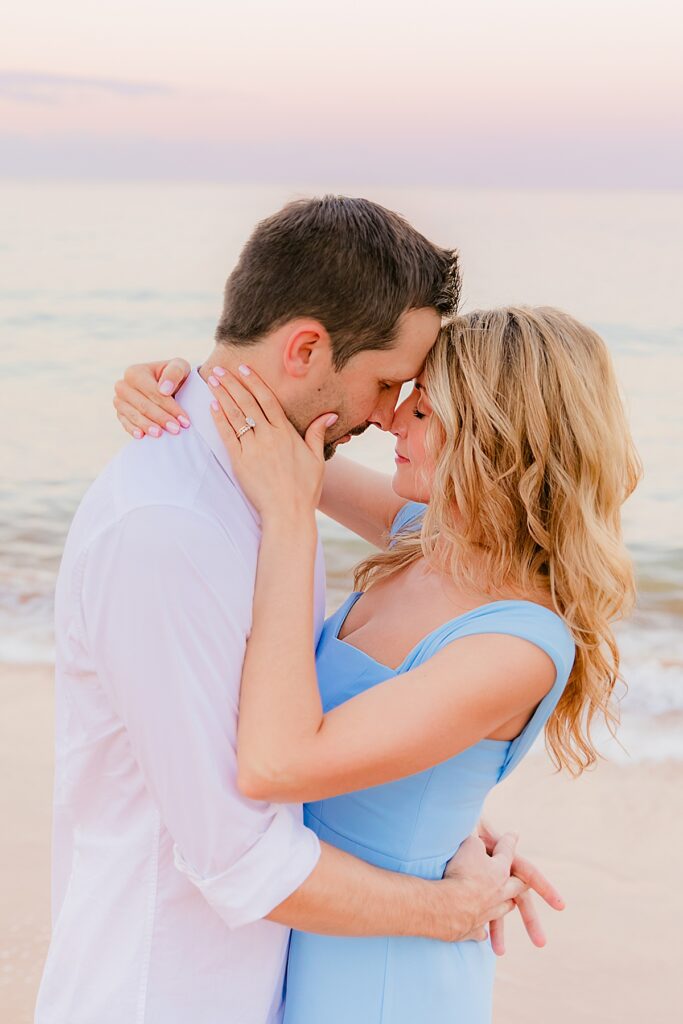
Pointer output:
x,y
483,619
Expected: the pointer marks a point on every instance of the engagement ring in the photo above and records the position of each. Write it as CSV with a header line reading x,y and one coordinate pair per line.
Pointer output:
x,y
248,425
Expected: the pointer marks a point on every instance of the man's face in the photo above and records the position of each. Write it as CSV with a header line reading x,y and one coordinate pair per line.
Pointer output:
x,y
366,390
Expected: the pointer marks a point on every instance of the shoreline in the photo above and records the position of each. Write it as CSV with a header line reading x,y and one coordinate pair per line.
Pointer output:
x,y
608,840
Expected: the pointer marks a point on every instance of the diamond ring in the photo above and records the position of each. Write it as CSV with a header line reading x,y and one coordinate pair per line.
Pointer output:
x,y
249,424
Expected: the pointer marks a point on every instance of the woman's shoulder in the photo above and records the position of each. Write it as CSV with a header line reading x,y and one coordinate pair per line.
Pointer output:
x,y
407,516
527,620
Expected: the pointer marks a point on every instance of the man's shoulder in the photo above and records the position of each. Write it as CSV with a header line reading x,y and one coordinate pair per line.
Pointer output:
x,y
170,470
162,487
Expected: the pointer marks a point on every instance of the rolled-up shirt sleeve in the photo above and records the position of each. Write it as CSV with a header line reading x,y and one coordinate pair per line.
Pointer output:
x,y
166,607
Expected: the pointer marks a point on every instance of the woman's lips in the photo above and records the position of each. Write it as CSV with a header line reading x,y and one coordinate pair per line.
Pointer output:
x,y
401,459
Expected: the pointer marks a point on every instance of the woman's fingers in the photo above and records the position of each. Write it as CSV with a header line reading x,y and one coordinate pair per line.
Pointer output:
x,y
226,431
315,435
135,422
173,375
165,412
242,398
263,395
231,411
130,427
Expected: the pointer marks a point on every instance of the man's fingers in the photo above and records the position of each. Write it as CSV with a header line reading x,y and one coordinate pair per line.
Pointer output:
x,y
476,935
498,936
173,375
523,868
504,850
489,836
513,888
529,914
536,880
532,922
503,908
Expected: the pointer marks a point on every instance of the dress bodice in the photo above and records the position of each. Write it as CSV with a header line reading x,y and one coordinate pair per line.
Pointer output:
x,y
415,824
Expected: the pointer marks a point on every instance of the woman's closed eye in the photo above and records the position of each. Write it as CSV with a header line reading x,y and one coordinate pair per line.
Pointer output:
x,y
418,415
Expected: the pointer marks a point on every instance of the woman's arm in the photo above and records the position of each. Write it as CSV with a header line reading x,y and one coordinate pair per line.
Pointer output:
x,y
283,477
358,498
288,750
361,499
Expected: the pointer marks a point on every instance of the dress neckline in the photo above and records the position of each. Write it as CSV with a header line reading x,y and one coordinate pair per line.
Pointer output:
x,y
343,613
354,597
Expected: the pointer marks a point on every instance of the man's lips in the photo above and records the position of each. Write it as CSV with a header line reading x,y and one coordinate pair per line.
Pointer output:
x,y
354,432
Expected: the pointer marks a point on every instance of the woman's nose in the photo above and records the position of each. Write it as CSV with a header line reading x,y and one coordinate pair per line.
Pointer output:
x,y
398,423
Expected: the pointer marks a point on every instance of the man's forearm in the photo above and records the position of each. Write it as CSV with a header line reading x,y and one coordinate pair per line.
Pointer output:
x,y
346,896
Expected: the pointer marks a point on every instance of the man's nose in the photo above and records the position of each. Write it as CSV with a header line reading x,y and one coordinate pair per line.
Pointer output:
x,y
383,414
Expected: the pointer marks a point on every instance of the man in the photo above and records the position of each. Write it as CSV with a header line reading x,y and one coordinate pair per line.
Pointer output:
x,y
173,893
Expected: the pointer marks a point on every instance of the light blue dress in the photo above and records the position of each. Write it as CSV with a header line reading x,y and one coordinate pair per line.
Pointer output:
x,y
413,825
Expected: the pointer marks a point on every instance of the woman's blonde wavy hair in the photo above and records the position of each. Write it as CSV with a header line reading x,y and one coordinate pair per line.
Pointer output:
x,y
533,460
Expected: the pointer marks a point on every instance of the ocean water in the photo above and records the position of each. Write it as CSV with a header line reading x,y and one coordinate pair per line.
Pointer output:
x,y
93,277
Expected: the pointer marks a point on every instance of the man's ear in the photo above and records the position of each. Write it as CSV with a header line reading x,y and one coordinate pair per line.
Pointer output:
x,y
307,348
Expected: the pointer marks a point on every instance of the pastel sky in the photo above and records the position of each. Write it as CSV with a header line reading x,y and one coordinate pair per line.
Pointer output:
x,y
489,92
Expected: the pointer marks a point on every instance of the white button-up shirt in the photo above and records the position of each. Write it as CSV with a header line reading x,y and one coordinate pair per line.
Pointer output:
x,y
162,870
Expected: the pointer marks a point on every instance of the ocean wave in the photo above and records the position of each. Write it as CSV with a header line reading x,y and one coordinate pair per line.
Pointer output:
x,y
651,641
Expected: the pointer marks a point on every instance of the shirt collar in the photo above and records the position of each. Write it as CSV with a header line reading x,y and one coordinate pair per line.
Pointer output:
x,y
195,397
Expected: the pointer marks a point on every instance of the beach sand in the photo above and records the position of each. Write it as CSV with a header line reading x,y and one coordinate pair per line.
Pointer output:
x,y
611,841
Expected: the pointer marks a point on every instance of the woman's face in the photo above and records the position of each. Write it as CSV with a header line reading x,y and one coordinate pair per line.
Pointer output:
x,y
414,468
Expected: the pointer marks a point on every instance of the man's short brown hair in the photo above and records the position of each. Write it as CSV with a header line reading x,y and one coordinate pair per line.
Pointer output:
x,y
348,263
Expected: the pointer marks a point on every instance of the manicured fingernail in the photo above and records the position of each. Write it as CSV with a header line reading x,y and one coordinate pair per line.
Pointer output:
x,y
213,382
154,432
215,406
219,371
244,370
331,420
166,388
183,421
172,427
137,434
